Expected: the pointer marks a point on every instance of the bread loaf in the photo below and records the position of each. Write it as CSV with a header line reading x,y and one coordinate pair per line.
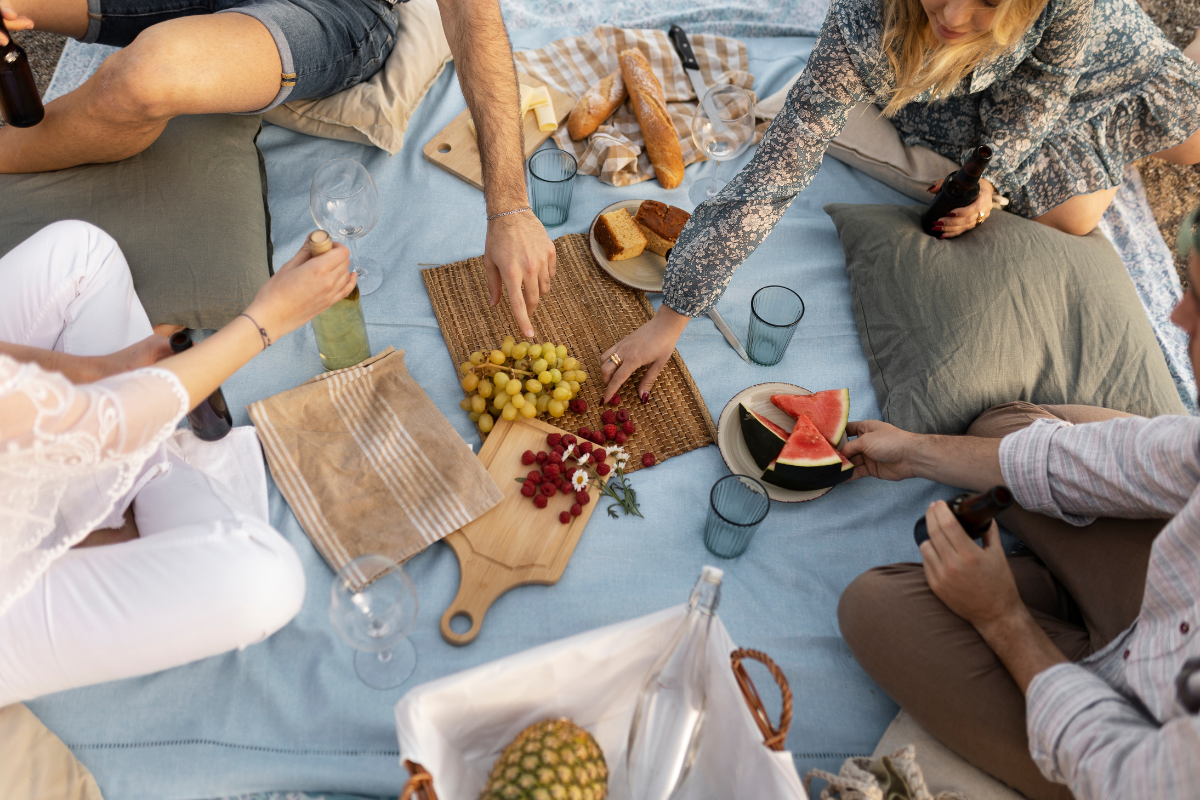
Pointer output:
x,y
650,107
597,104
661,224
619,236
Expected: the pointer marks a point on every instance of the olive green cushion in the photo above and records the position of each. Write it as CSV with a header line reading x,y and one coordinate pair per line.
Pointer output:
x,y
1011,311
189,213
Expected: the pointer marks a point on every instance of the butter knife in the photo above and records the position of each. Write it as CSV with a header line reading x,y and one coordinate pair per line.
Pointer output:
x,y
683,47
719,321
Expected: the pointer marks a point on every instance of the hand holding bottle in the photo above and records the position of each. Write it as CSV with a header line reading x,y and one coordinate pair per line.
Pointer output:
x,y
302,288
13,22
961,220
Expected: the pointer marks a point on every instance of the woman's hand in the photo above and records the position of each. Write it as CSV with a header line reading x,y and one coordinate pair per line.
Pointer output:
x,y
961,220
145,353
301,289
14,22
649,346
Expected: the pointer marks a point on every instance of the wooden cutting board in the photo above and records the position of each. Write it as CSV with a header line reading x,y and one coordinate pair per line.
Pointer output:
x,y
515,543
454,148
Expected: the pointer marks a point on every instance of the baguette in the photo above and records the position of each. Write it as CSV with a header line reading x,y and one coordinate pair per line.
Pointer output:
x,y
650,107
597,104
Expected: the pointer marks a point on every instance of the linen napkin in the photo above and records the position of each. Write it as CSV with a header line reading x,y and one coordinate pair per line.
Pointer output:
x,y
368,464
616,151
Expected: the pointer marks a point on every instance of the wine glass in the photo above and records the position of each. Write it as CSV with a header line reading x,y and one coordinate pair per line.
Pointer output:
x,y
722,127
373,608
345,204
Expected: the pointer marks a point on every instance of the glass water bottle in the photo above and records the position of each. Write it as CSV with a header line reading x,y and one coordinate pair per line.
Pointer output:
x,y
667,721
211,419
19,100
341,330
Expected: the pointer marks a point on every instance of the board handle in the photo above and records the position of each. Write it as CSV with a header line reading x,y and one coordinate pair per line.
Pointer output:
x,y
470,604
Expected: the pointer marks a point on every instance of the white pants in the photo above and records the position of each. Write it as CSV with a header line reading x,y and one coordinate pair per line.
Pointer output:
x,y
204,577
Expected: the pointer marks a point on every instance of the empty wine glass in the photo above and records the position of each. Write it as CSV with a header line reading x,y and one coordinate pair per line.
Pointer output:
x,y
345,203
373,608
722,127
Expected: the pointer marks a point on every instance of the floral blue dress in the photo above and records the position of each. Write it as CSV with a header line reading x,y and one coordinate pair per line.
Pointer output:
x,y
1092,86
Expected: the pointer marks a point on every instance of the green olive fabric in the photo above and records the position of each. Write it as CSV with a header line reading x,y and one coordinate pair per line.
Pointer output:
x,y
1011,311
189,212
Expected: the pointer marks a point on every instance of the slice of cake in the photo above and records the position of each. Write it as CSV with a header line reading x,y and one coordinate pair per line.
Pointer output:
x,y
620,237
661,224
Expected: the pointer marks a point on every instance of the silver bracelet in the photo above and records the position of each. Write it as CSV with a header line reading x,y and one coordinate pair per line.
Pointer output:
x,y
506,213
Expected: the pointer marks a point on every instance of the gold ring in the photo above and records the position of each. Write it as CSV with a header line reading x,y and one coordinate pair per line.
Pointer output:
x,y
616,359
980,220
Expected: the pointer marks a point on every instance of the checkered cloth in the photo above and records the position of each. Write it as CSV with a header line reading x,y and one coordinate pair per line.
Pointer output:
x,y
616,151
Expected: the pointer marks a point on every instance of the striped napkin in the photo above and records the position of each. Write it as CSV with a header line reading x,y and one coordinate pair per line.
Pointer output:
x,y
368,464
616,151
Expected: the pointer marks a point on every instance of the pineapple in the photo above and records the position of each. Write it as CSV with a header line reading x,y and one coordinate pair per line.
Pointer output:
x,y
552,760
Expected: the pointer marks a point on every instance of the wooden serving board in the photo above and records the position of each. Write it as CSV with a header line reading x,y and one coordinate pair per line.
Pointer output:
x,y
515,543
454,148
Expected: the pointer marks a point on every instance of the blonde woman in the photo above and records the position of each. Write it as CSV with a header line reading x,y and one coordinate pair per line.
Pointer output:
x,y
1066,93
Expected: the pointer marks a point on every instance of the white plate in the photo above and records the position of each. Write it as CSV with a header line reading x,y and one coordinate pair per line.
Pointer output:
x,y
644,273
733,447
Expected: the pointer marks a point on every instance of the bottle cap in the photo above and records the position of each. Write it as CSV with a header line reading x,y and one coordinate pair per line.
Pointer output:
x,y
712,574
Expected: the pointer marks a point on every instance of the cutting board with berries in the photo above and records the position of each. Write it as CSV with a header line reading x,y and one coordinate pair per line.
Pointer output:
x,y
530,535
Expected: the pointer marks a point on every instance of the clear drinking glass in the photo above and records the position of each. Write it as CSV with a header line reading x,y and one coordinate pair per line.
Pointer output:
x,y
722,127
774,314
552,182
736,507
345,203
373,608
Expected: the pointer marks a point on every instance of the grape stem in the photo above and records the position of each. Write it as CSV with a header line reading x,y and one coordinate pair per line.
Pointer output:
x,y
499,367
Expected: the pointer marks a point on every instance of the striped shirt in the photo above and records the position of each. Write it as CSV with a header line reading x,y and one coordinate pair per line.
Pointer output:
x,y
1112,726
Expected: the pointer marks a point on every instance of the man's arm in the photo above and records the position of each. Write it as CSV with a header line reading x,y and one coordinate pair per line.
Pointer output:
x,y
884,451
518,253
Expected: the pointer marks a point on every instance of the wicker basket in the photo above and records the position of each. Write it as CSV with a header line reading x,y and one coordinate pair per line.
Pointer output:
x,y
420,782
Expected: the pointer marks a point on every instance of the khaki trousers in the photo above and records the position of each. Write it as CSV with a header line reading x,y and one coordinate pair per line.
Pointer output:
x,y
1082,585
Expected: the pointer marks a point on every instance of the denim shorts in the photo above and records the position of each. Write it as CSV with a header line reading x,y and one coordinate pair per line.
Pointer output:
x,y
325,46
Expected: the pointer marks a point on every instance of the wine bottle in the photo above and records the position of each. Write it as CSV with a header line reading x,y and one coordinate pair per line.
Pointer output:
x,y
973,511
211,419
341,330
19,100
960,188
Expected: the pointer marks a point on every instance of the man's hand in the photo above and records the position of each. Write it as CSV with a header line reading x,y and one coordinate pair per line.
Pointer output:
x,y
519,255
880,451
14,22
884,451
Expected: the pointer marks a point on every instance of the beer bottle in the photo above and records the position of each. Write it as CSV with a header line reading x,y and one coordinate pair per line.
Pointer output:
x,y
960,188
211,419
19,100
974,512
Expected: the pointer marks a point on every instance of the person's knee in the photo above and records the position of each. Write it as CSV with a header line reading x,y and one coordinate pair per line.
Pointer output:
x,y
137,84
865,603
271,583
999,421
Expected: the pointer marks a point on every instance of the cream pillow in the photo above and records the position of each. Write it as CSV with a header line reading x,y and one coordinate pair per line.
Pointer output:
x,y
36,765
377,111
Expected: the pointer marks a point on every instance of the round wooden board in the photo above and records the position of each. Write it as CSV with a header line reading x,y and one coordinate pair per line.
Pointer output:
x,y
644,273
733,447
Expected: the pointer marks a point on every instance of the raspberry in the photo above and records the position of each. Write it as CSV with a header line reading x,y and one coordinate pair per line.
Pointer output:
x,y
569,438
567,488
559,451
603,470
586,447
570,472
608,417
622,416
629,428
534,477
528,489
528,457
582,497
615,401
540,501
620,438
554,439
647,459
541,457
599,454
551,472
584,433
578,405
576,510
564,518
556,458
548,488
610,432
598,438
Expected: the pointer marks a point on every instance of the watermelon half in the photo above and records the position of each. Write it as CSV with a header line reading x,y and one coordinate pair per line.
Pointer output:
x,y
828,410
764,439
807,461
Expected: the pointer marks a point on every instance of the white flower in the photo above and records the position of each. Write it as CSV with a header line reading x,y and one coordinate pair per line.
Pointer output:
x,y
583,459
621,461
579,480
567,454
617,450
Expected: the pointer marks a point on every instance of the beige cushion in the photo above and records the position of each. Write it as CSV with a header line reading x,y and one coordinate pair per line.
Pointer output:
x,y
377,110
944,769
36,765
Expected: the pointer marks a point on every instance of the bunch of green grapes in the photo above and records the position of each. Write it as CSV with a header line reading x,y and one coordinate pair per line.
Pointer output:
x,y
521,378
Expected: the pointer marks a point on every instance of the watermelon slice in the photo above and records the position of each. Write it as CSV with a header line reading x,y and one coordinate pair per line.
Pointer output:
x,y
828,410
764,439
807,461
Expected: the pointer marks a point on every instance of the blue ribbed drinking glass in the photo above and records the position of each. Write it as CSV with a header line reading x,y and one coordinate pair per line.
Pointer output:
x,y
552,181
774,314
736,507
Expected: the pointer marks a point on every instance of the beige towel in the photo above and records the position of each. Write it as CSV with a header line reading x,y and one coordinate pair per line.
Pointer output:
x,y
36,765
616,151
368,464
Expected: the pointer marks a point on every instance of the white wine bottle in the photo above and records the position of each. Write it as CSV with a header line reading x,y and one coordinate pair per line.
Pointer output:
x,y
341,330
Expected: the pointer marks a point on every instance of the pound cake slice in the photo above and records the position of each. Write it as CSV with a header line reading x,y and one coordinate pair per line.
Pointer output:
x,y
660,224
620,237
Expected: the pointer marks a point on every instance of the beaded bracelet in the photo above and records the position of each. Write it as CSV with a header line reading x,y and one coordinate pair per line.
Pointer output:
x,y
506,213
261,331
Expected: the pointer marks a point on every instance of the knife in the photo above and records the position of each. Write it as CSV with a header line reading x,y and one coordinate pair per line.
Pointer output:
x,y
719,321
692,67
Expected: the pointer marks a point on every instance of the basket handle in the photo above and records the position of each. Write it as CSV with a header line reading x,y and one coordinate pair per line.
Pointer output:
x,y
773,737
420,783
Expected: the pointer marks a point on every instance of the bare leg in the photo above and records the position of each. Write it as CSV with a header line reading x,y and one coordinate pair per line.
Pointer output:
x,y
193,65
1081,214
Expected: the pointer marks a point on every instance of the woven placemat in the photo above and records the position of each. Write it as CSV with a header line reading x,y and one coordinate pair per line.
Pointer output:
x,y
588,312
